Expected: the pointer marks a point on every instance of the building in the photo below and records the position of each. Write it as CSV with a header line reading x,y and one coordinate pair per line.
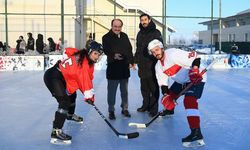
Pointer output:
x,y
233,29
99,14
80,19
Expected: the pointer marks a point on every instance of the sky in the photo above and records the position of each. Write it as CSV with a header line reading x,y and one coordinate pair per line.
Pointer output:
x,y
199,8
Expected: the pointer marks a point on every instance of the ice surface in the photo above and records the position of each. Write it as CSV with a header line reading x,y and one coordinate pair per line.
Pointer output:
x,y
27,111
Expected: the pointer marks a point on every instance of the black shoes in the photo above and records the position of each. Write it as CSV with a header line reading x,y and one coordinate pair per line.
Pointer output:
x,y
112,115
126,113
141,109
167,112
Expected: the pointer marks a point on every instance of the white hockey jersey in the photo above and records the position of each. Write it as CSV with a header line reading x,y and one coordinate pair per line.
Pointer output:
x,y
175,66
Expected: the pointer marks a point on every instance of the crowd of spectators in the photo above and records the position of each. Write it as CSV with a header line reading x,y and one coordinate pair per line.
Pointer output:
x,y
32,46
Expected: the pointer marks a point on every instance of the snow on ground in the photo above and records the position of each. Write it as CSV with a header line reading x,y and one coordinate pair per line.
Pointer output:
x,y
27,111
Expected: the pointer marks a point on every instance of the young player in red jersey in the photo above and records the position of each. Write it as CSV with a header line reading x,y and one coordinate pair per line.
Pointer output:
x,y
64,79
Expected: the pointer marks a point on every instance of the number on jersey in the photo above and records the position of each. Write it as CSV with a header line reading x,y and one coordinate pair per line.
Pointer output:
x,y
67,61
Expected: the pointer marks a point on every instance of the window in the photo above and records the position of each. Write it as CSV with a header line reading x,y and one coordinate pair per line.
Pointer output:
x,y
233,37
229,38
246,37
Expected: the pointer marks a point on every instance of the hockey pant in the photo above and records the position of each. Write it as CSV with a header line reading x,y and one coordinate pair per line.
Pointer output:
x,y
191,97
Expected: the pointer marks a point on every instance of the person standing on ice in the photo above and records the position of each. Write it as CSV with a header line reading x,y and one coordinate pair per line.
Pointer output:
x,y
182,67
117,47
145,62
64,78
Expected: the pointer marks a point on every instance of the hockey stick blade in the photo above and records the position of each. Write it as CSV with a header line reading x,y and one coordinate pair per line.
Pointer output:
x,y
137,125
120,135
129,135
141,125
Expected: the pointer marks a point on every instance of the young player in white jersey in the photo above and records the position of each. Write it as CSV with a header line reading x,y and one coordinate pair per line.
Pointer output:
x,y
182,67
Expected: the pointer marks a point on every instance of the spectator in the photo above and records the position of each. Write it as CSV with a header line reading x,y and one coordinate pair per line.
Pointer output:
x,y
31,42
89,40
118,49
39,44
1,46
146,63
21,45
5,47
59,45
235,50
52,45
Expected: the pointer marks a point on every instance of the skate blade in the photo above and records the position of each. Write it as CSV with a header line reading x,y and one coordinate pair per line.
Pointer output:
x,y
57,141
194,143
80,122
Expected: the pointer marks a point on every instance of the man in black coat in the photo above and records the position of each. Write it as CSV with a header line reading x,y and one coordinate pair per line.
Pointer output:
x,y
146,64
118,49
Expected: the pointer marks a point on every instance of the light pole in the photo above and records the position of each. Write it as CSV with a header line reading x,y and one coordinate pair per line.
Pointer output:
x,y
219,26
6,24
164,22
44,17
212,24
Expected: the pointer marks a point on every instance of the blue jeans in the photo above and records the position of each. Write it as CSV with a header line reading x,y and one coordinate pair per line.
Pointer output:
x,y
112,88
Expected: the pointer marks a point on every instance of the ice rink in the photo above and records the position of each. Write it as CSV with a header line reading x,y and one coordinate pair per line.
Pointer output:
x,y
27,111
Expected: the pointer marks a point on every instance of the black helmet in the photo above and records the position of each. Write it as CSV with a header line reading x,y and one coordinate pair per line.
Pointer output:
x,y
94,46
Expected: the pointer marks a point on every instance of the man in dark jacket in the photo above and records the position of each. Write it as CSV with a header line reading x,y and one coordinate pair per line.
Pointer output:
x,y
118,49
146,63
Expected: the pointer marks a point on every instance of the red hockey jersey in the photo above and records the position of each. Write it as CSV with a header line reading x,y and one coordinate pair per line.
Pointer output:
x,y
78,77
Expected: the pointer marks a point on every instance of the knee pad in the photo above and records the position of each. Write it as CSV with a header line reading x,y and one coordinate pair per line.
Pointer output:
x,y
62,111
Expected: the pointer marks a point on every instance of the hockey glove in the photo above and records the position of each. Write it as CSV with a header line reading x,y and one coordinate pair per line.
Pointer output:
x,y
195,76
168,102
90,101
164,90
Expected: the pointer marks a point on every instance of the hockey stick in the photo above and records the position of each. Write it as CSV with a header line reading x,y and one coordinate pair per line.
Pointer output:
x,y
120,135
141,125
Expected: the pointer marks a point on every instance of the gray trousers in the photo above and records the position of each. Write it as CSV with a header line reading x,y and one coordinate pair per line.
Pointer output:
x,y
112,88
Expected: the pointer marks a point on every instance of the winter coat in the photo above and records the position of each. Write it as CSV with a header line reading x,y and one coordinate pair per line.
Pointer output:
x,y
144,61
117,69
31,42
20,47
52,45
40,44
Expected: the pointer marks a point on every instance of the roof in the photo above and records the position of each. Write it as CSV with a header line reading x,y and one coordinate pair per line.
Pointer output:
x,y
240,14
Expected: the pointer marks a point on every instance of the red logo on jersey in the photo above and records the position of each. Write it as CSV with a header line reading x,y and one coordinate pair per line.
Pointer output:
x,y
172,70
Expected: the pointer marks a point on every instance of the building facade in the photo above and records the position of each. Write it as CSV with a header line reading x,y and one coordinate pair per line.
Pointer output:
x,y
81,18
233,29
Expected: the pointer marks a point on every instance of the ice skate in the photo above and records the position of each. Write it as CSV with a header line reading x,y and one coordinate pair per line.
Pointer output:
x,y
194,139
58,137
75,118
